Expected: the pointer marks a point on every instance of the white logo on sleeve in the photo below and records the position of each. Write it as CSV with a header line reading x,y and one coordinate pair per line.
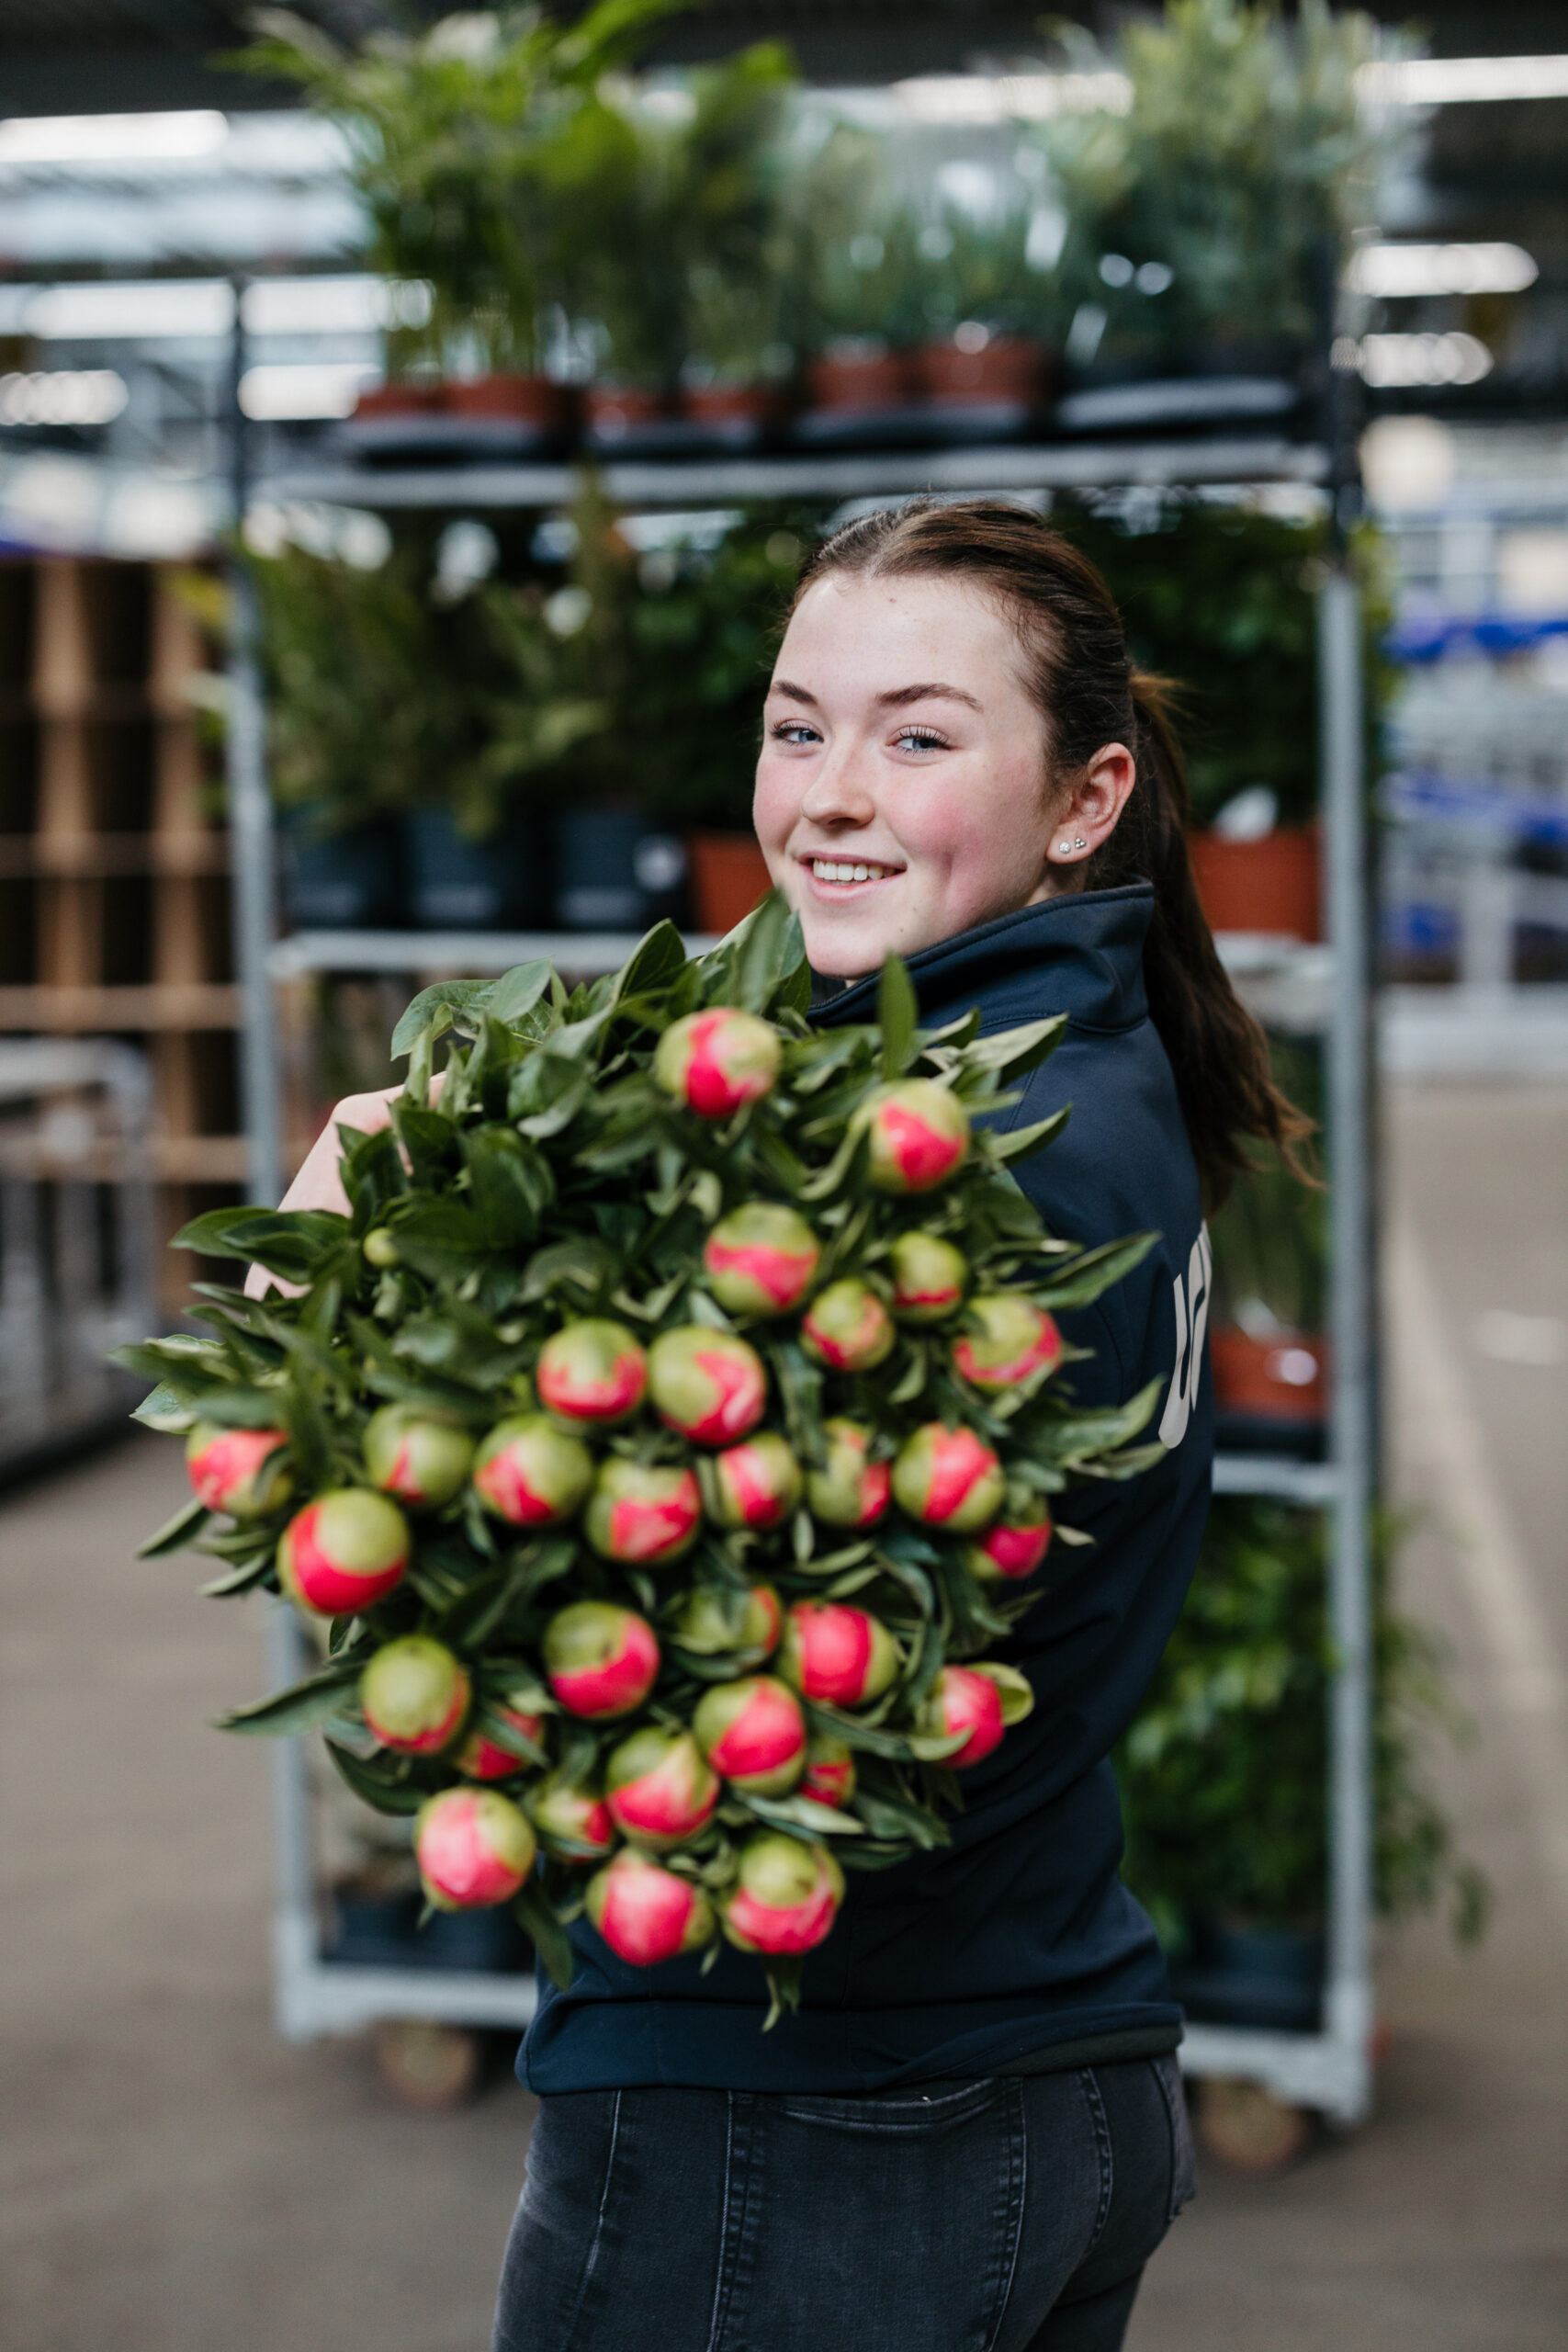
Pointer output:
x,y
1192,1329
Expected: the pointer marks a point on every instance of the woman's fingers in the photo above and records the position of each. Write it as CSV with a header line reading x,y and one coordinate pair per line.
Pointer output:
x,y
318,1184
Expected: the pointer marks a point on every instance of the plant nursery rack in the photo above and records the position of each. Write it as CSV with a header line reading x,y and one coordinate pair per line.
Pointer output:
x,y
1321,990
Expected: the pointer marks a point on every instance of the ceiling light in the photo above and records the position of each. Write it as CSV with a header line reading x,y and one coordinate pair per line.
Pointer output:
x,y
304,394
1404,362
105,313
1013,97
1394,272
359,304
1460,80
63,396
107,138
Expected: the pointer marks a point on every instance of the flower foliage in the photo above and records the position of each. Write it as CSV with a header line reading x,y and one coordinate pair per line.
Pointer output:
x,y
557,1186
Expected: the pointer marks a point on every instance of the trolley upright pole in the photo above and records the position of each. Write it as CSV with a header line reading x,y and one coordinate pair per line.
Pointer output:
x,y
1348,2002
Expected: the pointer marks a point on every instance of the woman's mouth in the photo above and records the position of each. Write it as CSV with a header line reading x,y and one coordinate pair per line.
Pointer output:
x,y
839,873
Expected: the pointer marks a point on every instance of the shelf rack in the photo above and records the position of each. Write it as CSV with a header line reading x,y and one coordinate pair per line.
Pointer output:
x,y
113,864
1324,991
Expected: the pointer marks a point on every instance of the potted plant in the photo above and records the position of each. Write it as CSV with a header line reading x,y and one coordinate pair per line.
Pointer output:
x,y
1205,219
1224,1775
988,304
451,132
1266,1322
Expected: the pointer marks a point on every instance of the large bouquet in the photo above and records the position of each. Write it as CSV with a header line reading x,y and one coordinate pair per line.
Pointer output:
x,y
659,1442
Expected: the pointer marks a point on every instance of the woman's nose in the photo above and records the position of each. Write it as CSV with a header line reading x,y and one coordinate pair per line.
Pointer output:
x,y
834,796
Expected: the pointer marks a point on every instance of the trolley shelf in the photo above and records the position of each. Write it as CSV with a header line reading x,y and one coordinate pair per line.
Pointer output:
x,y
869,473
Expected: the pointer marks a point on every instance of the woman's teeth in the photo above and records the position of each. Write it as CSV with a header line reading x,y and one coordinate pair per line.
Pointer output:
x,y
831,869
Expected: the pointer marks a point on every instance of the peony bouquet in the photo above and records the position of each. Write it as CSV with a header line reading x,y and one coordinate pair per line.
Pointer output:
x,y
659,1445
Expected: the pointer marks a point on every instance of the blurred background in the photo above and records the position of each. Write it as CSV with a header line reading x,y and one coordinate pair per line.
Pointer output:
x,y
411,426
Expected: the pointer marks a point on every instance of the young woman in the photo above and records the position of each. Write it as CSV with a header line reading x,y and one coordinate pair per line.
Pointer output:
x,y
972,2134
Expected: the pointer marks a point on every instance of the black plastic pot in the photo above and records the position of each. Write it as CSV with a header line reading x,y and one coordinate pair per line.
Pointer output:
x,y
617,872
374,1930
456,884
351,881
491,1941
1256,1976
383,1931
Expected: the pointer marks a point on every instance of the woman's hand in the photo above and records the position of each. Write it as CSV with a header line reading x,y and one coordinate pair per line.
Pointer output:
x,y
318,1184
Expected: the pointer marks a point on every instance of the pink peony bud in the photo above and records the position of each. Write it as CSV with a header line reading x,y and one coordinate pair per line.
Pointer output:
x,y
745,1625
760,1259
243,1472
829,1773
787,1896
757,1484
416,1456
344,1552
847,1327
483,1759
531,1474
1011,1341
474,1848
717,1061
948,1479
708,1386
754,1733
659,1787
929,1275
834,1652
592,1371
601,1660
961,1698
1009,1550
848,1491
919,1133
571,1821
415,1695
643,1511
645,1913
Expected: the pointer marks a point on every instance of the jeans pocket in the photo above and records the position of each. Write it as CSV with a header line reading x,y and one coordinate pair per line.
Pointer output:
x,y
1183,2177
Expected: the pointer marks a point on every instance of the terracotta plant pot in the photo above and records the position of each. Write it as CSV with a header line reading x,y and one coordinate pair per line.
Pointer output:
x,y
728,874
863,380
401,400
736,405
1272,885
615,411
1281,1378
511,399
962,367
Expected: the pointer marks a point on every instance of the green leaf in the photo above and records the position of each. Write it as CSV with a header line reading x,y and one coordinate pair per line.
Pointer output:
x,y
1011,1054
296,1709
518,991
295,1243
1015,1142
805,1813
450,1004
382,1781
537,1915
177,1532
244,1578
653,964
162,1410
1014,1688
1084,1278
896,1013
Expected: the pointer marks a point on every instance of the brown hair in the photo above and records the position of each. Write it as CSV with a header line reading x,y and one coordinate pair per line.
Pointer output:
x,y
1091,695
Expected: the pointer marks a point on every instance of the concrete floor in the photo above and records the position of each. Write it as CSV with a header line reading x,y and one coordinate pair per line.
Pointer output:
x,y
173,2178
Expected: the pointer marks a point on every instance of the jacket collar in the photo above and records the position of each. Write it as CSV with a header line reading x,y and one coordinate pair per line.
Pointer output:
x,y
1082,956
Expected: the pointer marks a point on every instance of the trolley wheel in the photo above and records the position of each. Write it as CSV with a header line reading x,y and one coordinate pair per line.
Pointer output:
x,y
428,2066
1243,2127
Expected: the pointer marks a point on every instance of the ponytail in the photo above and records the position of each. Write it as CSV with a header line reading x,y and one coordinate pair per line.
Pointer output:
x,y
1089,695
1218,1053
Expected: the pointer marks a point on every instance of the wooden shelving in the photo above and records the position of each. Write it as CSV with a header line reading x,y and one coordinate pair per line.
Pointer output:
x,y
114,894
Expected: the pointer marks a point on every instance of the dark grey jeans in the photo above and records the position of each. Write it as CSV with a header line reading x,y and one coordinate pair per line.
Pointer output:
x,y
1009,2215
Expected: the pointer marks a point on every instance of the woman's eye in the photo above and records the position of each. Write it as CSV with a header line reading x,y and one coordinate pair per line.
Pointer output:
x,y
794,730
919,738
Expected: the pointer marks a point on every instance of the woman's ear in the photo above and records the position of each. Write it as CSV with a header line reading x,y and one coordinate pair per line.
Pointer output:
x,y
1089,814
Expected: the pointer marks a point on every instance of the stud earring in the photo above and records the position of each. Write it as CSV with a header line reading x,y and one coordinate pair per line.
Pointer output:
x,y
1065,849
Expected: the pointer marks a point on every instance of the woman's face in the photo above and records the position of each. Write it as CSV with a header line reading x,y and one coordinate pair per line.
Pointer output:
x,y
902,788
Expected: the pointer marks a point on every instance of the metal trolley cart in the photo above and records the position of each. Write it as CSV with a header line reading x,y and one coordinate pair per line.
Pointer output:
x,y
1326,990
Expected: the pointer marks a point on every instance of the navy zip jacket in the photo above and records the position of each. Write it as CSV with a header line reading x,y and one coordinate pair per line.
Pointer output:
x,y
1017,1948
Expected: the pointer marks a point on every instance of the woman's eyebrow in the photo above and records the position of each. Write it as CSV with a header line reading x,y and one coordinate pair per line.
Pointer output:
x,y
931,691
796,693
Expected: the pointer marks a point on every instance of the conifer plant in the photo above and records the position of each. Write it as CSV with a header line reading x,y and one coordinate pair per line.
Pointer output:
x,y
664,1444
